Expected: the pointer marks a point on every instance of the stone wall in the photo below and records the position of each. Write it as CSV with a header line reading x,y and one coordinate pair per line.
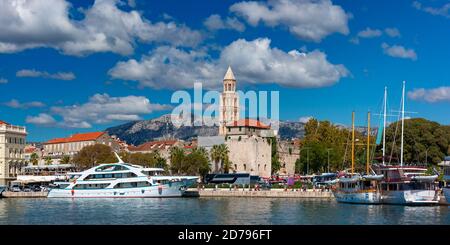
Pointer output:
x,y
250,155
288,153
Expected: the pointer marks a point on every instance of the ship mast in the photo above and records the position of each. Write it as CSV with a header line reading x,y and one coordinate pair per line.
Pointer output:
x,y
353,142
403,123
384,124
368,142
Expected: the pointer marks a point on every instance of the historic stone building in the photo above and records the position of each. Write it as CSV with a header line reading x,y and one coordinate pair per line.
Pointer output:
x,y
229,102
250,146
59,147
12,144
288,153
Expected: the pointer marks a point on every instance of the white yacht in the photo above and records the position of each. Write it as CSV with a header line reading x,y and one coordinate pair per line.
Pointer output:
x,y
116,180
446,189
408,185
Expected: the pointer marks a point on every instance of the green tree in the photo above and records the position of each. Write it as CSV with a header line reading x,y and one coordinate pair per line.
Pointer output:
x,y
34,158
176,159
275,159
424,141
65,159
93,155
152,159
48,160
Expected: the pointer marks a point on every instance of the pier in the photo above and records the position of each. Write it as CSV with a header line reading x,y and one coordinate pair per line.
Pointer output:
x,y
10,194
281,193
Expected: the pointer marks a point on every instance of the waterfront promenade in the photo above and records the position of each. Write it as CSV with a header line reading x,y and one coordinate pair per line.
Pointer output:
x,y
282,193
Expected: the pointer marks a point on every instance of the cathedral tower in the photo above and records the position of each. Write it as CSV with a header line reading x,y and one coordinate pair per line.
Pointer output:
x,y
229,102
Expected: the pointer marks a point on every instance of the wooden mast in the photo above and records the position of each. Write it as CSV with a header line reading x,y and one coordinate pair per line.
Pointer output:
x,y
368,142
353,142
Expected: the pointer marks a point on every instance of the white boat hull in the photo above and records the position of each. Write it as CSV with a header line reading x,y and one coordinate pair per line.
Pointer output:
x,y
174,190
411,197
358,197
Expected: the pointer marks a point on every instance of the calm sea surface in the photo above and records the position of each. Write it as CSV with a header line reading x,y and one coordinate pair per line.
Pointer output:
x,y
211,211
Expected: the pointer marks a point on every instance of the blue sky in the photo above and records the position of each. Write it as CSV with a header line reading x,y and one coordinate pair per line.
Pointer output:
x,y
66,67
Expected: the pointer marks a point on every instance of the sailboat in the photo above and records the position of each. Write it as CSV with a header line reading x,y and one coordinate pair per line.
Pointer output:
x,y
357,188
405,185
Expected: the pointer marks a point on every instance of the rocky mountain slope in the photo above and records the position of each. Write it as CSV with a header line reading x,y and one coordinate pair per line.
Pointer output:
x,y
138,132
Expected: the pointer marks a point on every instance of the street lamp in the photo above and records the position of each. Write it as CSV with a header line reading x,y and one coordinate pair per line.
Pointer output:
x,y
328,151
307,157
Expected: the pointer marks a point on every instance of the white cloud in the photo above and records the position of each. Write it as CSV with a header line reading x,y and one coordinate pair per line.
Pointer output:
x,y
392,32
104,28
42,119
370,33
102,108
399,51
441,11
215,22
310,20
430,95
44,74
252,62
3,80
18,105
305,119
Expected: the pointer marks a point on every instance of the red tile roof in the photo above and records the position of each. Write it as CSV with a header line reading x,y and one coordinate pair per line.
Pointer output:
x,y
248,123
153,145
77,138
30,149
3,122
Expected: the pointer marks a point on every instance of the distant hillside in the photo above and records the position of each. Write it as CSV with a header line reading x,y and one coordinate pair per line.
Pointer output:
x,y
139,132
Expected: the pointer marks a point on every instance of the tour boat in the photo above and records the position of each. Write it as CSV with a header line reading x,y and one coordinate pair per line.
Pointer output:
x,y
407,185
358,190
446,188
118,180
354,188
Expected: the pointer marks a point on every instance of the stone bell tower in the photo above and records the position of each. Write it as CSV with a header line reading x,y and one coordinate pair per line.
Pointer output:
x,y
229,102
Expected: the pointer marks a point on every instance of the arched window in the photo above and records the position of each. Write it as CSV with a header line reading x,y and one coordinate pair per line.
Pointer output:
x,y
245,167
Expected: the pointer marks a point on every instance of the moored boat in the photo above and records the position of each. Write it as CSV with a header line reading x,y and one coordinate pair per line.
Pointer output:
x,y
118,180
407,185
354,188
2,189
446,188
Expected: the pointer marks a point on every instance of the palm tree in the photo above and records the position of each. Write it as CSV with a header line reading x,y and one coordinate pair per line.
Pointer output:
x,y
48,160
176,159
65,159
219,154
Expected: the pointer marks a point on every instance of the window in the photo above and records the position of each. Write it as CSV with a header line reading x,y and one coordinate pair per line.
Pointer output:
x,y
132,184
245,167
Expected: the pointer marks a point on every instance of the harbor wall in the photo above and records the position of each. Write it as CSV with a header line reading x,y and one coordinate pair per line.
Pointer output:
x,y
262,193
10,194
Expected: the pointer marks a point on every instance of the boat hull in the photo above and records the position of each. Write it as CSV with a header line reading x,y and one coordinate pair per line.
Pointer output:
x,y
2,189
358,197
411,197
446,191
176,189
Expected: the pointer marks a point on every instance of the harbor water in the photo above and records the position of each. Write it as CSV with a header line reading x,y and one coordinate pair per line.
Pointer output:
x,y
212,210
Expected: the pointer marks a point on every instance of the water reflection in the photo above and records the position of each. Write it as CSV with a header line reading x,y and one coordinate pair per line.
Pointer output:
x,y
212,211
